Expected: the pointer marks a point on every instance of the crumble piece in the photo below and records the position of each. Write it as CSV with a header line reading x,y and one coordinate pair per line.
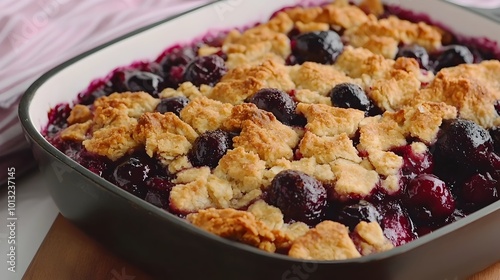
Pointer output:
x,y
322,172
280,22
295,230
327,241
242,82
253,58
402,31
79,114
380,133
179,164
269,215
188,90
374,7
312,26
205,114
235,225
206,50
339,13
311,97
471,88
317,77
165,135
258,38
190,193
369,238
391,184
135,103
353,179
399,89
362,63
112,135
384,46
422,120
385,163
76,132
324,120
261,133
244,170
326,149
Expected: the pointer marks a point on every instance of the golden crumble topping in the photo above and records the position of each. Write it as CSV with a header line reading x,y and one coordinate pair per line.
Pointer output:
x,y
362,63
400,30
260,37
422,120
191,193
79,114
338,13
327,241
245,170
385,163
112,134
242,82
317,77
311,97
165,135
322,172
76,132
353,179
205,114
326,149
324,120
235,225
370,239
133,103
393,93
471,88
380,133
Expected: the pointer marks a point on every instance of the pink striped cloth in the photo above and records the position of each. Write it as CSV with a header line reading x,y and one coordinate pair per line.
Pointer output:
x,y
36,35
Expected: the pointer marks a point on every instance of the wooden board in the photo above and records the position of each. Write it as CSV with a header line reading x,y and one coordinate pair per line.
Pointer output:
x,y
68,253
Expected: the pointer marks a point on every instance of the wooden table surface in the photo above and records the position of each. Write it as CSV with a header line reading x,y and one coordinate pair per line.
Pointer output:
x,y
68,253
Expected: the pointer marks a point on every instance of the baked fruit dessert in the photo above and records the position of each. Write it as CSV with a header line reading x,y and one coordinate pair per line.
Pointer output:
x,y
328,132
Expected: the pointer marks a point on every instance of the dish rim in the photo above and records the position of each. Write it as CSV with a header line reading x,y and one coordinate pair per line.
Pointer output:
x,y
36,136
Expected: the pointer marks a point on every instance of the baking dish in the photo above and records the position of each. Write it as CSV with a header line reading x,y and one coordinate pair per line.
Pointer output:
x,y
169,247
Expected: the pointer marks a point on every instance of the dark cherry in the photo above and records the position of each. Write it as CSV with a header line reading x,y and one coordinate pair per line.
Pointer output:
x,y
466,143
206,70
414,164
452,55
176,56
96,90
417,52
481,190
319,46
351,215
158,191
209,148
144,81
173,62
299,196
347,95
136,80
172,104
132,174
429,199
495,136
277,102
98,164
397,225
57,119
